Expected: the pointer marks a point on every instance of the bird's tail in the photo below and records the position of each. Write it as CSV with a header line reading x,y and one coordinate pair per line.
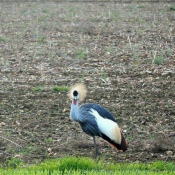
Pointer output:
x,y
80,88
121,147
124,144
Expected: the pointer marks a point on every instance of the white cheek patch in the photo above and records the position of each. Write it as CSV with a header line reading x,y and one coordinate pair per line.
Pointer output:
x,y
107,127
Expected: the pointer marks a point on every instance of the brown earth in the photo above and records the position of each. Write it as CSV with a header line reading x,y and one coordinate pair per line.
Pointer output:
x,y
124,53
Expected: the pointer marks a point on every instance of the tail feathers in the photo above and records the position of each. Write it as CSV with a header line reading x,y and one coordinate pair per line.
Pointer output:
x,y
123,142
122,146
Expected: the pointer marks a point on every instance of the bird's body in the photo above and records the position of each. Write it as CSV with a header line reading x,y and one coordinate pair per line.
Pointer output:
x,y
96,120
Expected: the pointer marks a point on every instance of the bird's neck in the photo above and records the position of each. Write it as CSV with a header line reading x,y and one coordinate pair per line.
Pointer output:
x,y
74,113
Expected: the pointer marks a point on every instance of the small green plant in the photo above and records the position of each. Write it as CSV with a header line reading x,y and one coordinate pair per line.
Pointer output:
x,y
42,39
36,89
132,7
172,8
116,16
25,151
1,104
142,6
25,24
13,163
103,74
60,88
24,11
72,11
2,39
106,14
159,60
111,49
81,55
49,140
44,11
42,19
152,136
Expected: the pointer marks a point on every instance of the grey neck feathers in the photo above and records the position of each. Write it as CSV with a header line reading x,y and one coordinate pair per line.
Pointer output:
x,y
74,113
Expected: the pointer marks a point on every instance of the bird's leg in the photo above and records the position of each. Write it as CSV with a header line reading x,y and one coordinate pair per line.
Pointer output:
x,y
95,145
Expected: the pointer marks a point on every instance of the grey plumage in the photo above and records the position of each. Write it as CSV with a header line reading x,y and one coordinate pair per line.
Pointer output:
x,y
88,121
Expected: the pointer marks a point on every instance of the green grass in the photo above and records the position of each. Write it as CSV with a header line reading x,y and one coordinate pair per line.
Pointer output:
x,y
82,165
116,16
42,39
159,60
172,8
13,163
2,39
55,88
60,88
36,89
81,55
49,140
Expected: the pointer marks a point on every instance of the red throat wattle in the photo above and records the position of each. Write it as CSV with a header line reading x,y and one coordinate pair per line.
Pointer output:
x,y
75,102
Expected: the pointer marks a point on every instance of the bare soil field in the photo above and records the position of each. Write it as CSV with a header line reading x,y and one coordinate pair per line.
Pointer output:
x,y
124,53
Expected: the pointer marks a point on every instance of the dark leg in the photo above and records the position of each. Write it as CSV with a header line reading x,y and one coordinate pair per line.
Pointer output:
x,y
96,150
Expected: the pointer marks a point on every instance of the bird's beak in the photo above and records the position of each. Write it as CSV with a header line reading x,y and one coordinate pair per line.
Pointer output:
x,y
75,100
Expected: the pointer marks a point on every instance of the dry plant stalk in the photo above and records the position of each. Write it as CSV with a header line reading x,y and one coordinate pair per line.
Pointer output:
x,y
11,141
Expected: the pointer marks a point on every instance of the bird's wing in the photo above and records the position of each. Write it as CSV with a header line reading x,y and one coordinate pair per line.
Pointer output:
x,y
100,122
101,110
88,121
107,127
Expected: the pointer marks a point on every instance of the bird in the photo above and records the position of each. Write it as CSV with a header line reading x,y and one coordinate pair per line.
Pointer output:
x,y
95,120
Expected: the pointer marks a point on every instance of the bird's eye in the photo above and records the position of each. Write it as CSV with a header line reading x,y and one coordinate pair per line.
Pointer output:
x,y
75,93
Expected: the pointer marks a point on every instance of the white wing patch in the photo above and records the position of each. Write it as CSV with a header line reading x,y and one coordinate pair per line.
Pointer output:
x,y
107,127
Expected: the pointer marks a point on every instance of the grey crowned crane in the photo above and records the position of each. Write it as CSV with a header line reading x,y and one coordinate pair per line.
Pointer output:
x,y
95,120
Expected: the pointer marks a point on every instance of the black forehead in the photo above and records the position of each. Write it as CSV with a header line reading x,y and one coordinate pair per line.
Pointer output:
x,y
75,93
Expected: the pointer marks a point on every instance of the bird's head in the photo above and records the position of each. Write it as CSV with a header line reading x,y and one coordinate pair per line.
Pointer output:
x,y
77,92
75,97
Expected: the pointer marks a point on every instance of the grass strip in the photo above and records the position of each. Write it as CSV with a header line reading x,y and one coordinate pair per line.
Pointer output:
x,y
82,165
